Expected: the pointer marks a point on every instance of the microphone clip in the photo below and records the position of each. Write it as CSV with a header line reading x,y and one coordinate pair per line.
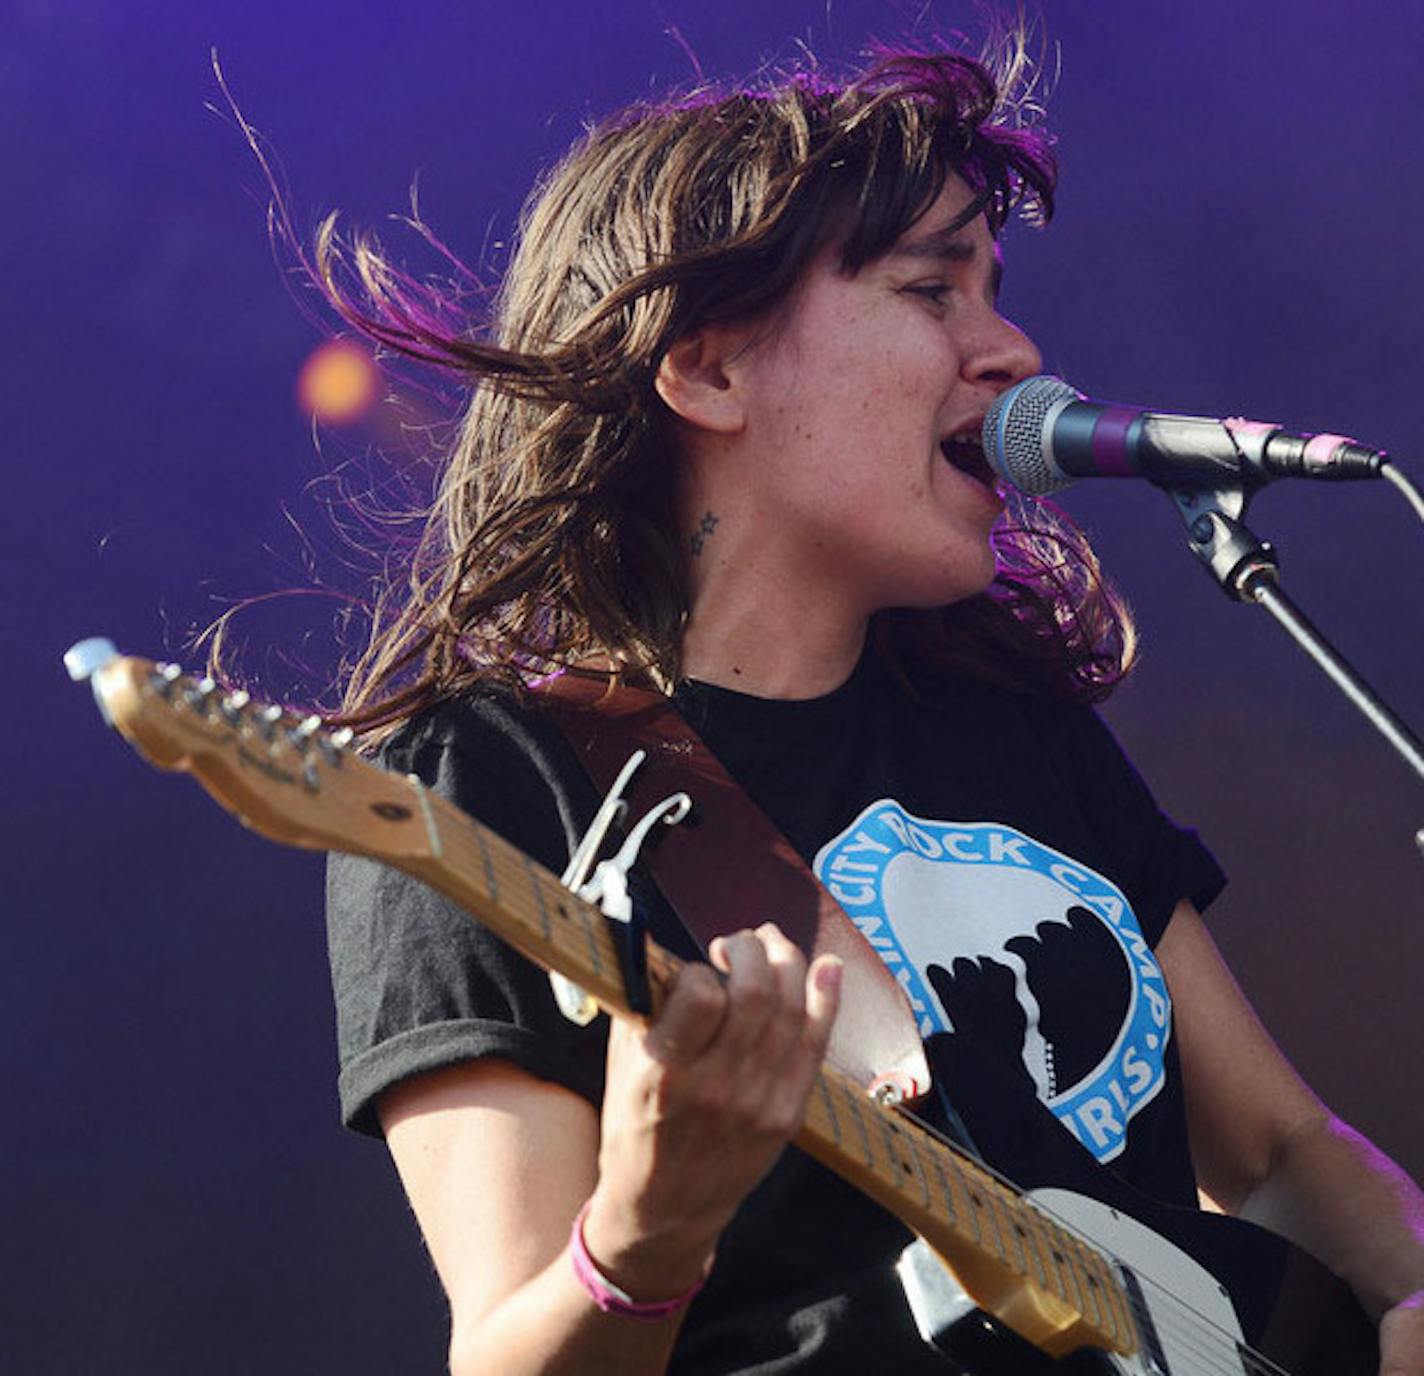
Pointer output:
x,y
1218,535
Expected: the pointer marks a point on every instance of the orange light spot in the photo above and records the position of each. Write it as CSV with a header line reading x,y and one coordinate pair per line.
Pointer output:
x,y
337,383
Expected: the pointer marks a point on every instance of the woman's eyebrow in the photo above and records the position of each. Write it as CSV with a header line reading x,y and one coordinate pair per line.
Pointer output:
x,y
947,246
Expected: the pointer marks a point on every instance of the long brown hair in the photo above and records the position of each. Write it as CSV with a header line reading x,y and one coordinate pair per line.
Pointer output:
x,y
551,537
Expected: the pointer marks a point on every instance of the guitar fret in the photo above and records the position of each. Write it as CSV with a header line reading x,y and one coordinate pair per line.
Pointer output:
x,y
857,1116
491,883
585,920
1108,1293
981,1207
1041,1231
1028,1241
1062,1252
919,1169
538,889
1048,1243
969,1208
577,936
879,1120
1004,1235
823,1085
995,1208
1102,1288
1090,1299
945,1189
1124,1325
892,1139
1058,1253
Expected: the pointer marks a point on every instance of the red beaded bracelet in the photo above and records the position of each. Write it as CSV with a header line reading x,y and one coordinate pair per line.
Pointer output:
x,y
609,1297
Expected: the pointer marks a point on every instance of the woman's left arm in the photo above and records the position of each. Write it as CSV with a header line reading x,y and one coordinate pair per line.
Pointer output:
x,y
1267,1149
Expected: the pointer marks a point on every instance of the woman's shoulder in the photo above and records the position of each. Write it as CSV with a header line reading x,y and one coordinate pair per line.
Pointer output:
x,y
482,727
499,755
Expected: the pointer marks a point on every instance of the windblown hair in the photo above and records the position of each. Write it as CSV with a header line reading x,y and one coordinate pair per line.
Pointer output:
x,y
552,536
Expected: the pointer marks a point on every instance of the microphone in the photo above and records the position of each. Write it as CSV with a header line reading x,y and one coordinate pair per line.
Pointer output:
x,y
1042,434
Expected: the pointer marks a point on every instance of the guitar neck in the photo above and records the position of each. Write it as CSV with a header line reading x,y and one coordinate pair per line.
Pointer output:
x,y
526,905
283,776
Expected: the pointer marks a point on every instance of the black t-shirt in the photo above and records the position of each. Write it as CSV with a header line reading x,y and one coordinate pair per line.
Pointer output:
x,y
999,852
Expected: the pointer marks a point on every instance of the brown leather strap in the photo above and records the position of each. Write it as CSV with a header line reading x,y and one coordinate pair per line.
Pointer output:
x,y
734,868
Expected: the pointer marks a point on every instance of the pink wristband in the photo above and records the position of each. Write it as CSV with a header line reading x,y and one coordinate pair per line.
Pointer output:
x,y
607,1296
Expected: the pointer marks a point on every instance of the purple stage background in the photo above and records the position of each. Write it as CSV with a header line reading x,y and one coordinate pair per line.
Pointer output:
x,y
1237,234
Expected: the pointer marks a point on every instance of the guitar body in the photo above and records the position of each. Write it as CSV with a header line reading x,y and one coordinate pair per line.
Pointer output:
x,y
1283,1310
1214,1296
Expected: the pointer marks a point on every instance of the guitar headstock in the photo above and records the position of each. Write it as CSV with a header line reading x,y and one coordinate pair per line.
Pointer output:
x,y
281,774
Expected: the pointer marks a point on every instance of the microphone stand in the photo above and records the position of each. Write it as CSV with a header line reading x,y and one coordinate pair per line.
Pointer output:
x,y
1247,570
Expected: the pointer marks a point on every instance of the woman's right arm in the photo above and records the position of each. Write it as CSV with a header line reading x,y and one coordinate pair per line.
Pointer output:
x,y
697,1107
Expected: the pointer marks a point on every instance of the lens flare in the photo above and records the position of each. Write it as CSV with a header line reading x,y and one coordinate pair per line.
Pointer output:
x,y
337,383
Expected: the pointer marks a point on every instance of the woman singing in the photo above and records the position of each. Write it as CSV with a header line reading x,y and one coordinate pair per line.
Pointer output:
x,y
721,439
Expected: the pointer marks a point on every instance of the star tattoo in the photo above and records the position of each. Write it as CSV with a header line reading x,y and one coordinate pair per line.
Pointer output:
x,y
705,527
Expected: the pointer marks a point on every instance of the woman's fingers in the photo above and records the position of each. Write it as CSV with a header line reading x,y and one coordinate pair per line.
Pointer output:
x,y
691,1019
758,1010
766,977
765,1023
788,965
767,1039
823,1000
700,1103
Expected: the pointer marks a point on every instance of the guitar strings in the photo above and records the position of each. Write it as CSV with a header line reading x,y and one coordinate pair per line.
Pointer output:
x,y
1190,1326
1205,1341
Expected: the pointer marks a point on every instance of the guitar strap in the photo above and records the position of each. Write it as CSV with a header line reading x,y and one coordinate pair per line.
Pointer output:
x,y
729,867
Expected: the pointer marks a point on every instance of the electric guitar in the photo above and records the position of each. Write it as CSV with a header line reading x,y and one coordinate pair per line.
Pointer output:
x,y
1070,1272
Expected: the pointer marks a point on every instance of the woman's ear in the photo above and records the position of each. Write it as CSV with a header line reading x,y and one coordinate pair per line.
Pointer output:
x,y
698,381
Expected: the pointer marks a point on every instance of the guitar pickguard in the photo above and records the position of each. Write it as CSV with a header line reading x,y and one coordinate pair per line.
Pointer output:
x,y
1189,1318
1187,1323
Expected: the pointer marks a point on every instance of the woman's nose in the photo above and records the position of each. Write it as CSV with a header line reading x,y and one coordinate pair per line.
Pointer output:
x,y
1006,355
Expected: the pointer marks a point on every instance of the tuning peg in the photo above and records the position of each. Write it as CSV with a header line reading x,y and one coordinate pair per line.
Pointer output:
x,y
333,745
301,734
234,705
163,677
201,695
86,656
267,720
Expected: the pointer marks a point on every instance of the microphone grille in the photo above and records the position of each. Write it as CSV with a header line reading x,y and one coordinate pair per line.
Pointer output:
x,y
1013,434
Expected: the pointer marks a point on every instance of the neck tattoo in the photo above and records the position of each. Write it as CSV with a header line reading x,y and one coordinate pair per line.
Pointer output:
x,y
705,527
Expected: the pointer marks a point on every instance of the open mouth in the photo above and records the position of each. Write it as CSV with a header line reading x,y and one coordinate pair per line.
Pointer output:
x,y
966,453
